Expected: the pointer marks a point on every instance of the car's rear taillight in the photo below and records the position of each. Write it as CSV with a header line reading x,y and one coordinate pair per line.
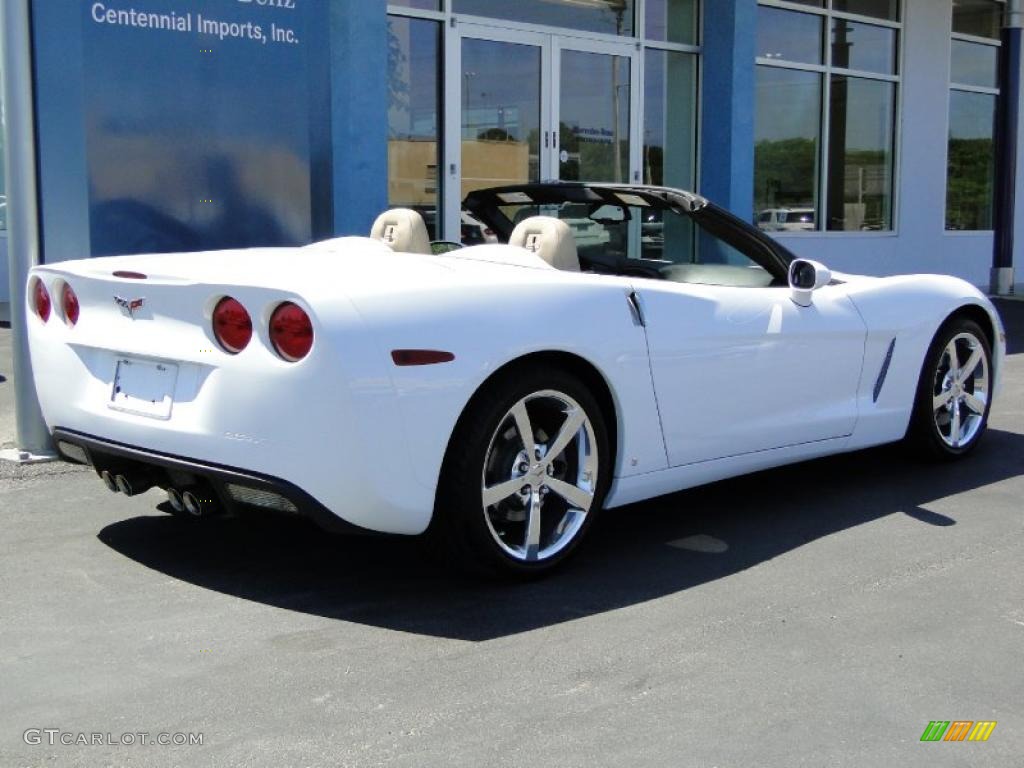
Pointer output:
x,y
69,302
232,326
41,299
291,332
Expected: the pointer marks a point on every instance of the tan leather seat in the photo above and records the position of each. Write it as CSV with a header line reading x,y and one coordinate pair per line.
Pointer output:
x,y
402,229
549,238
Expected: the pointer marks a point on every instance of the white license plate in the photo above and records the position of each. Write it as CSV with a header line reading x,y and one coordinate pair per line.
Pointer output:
x,y
144,387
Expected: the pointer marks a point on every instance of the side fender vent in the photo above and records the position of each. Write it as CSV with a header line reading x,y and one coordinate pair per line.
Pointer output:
x,y
885,369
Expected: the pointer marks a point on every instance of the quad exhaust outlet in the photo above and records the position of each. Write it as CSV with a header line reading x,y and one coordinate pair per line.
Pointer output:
x,y
128,483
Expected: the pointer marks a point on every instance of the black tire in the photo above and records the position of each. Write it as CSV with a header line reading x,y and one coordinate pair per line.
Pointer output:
x,y
925,436
460,533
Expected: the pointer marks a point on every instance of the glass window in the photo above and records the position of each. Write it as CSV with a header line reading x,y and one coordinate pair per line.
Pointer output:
x,y
674,21
787,127
594,117
975,64
612,17
3,165
670,82
865,47
789,35
803,97
880,9
419,5
971,166
861,122
414,116
3,174
981,18
501,113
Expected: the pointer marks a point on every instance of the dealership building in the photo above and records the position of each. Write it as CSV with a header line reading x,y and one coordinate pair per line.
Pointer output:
x,y
876,136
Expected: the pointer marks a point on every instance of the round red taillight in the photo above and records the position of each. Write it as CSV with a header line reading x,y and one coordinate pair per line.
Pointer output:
x,y
291,332
42,300
70,303
232,326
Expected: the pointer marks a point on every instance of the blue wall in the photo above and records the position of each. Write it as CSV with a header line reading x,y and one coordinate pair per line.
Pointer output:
x,y
727,120
268,128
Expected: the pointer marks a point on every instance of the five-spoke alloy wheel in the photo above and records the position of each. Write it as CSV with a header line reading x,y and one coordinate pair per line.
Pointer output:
x,y
539,476
525,474
954,394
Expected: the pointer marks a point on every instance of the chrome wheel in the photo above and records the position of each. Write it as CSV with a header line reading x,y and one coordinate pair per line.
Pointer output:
x,y
540,476
960,391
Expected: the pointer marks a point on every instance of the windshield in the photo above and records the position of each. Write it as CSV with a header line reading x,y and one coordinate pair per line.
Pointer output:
x,y
632,232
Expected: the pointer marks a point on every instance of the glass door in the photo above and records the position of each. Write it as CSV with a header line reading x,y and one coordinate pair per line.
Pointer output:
x,y
595,109
503,104
531,106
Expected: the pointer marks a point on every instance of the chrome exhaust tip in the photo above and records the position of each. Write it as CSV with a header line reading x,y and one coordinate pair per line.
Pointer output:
x,y
198,502
133,484
174,499
109,481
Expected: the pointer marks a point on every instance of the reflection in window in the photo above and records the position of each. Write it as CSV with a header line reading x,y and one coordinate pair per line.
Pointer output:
x,y
788,35
673,21
670,80
501,88
612,17
971,167
419,5
787,128
802,98
3,173
866,47
980,18
974,90
594,117
975,64
880,9
861,122
413,122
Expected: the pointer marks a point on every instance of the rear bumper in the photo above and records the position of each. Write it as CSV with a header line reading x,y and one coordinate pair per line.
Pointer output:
x,y
234,488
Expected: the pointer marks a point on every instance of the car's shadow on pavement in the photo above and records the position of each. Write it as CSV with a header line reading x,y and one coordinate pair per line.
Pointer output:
x,y
636,554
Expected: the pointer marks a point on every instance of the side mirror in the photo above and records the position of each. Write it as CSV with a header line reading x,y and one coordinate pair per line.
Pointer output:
x,y
805,277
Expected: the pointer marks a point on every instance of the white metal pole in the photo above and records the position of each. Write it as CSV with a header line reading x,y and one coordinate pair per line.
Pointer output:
x,y
34,441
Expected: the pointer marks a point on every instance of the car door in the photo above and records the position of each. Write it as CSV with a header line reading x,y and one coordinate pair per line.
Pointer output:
x,y
738,367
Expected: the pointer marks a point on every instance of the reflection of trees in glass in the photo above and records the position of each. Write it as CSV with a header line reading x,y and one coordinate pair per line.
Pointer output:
x,y
784,173
596,154
969,191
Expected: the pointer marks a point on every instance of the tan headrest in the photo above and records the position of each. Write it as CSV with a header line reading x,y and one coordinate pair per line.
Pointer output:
x,y
549,238
402,229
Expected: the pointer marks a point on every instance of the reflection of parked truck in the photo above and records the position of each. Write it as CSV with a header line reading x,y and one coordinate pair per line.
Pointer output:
x,y
786,220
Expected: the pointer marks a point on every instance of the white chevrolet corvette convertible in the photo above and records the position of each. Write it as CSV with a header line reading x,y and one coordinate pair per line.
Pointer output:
x,y
497,397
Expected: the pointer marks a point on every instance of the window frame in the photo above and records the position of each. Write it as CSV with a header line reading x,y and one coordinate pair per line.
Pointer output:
x,y
826,70
954,86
